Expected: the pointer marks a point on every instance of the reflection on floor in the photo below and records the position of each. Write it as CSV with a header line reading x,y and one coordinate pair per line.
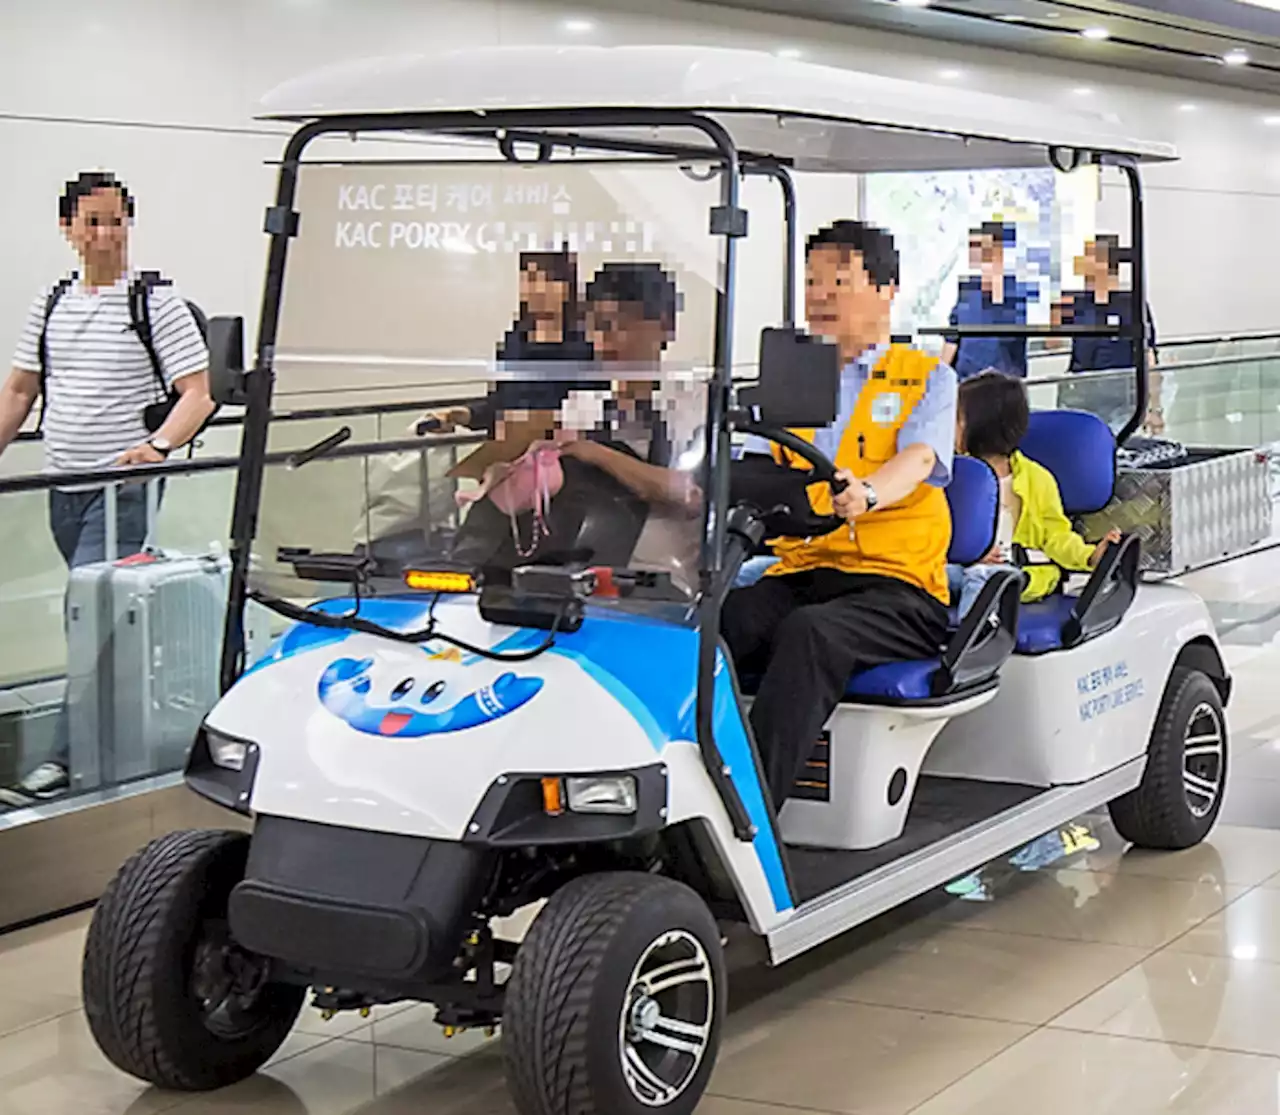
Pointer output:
x,y
1080,976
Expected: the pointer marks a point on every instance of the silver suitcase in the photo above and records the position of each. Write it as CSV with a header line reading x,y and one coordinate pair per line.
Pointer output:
x,y
144,637
89,669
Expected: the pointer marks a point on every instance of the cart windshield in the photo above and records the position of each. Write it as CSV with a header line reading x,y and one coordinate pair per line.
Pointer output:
x,y
485,365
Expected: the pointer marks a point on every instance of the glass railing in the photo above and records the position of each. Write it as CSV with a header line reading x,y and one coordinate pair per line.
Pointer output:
x,y
107,670
1233,402
80,681
1177,350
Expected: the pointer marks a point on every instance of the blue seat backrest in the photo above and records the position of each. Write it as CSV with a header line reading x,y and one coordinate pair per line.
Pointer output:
x,y
974,498
1080,450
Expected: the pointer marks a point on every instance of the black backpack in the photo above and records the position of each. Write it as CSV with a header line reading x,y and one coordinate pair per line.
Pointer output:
x,y
155,415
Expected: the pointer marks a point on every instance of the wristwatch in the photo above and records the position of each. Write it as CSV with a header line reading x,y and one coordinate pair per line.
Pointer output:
x,y
872,498
161,445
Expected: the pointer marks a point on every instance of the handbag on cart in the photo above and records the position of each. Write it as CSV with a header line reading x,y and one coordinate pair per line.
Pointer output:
x,y
524,486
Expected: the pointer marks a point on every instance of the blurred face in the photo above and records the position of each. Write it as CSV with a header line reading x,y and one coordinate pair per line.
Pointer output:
x,y
1092,265
621,334
546,297
842,303
99,231
986,255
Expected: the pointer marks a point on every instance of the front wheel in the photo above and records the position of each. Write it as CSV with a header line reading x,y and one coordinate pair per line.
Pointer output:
x,y
1180,796
170,997
615,1001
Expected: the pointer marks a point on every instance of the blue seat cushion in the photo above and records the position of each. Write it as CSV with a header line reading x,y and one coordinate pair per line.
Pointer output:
x,y
973,497
894,681
1040,624
1080,450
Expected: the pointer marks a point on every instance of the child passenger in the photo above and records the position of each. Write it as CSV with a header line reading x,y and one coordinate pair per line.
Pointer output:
x,y
991,420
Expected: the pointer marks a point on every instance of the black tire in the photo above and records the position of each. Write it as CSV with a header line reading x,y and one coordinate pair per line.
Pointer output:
x,y
573,980
1166,812
162,910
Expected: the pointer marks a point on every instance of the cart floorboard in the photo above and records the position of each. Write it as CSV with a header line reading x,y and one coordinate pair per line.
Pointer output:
x,y
942,808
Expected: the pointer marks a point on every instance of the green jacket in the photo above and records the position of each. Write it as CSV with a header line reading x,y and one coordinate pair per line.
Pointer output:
x,y
1044,526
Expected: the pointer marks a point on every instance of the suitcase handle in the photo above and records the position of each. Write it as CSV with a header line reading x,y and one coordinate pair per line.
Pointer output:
x,y
110,508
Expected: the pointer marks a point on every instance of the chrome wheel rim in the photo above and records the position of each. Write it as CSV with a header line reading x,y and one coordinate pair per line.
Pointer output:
x,y
1203,759
666,1020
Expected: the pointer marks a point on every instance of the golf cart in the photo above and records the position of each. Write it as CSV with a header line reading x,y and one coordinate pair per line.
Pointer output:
x,y
511,712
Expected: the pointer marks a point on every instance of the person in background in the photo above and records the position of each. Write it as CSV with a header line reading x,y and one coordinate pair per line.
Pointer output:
x,y
1104,303
991,421
876,593
990,296
549,327
97,381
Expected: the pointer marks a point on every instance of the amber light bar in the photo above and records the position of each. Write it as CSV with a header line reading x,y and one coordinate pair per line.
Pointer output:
x,y
439,580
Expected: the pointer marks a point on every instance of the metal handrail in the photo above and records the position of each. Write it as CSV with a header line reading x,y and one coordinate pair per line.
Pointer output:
x,y
89,478
1182,342
1159,369
305,414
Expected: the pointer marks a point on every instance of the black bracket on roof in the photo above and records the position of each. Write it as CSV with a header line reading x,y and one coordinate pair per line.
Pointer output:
x,y
281,221
1067,159
507,145
728,220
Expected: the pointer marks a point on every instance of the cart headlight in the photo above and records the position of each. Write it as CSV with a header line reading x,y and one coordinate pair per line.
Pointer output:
x,y
229,754
615,794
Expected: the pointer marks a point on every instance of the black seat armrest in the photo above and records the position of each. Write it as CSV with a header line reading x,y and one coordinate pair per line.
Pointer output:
x,y
1107,595
986,636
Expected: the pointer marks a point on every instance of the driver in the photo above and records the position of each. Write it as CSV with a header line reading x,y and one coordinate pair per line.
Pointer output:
x,y
874,591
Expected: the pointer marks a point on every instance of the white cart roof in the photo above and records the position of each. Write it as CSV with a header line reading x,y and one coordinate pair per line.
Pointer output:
x,y
819,117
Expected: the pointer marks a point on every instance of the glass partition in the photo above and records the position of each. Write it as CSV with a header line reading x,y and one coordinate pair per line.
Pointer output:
x,y
117,660
1231,403
556,322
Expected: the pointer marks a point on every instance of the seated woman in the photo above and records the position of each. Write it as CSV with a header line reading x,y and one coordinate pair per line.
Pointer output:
x,y
991,420
549,328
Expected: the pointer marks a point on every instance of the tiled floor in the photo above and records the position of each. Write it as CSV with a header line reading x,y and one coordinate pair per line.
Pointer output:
x,y
1109,981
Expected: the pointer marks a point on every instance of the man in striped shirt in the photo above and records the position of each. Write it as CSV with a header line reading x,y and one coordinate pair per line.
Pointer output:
x,y
98,380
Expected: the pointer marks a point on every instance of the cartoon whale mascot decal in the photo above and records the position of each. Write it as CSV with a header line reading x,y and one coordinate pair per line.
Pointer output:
x,y
405,711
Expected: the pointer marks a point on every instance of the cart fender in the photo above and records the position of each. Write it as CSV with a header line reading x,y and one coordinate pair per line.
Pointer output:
x,y
364,731
1067,716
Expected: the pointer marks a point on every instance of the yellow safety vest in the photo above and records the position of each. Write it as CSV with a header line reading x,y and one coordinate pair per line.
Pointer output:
x,y
909,540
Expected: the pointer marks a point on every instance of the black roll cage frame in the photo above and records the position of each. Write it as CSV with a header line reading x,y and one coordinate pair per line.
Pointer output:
x,y
548,130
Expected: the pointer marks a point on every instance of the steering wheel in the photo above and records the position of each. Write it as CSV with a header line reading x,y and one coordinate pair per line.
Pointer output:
x,y
775,490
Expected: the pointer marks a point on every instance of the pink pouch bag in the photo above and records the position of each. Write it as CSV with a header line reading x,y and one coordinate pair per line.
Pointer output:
x,y
526,484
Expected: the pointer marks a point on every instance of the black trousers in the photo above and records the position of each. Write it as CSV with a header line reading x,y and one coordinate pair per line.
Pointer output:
x,y
804,634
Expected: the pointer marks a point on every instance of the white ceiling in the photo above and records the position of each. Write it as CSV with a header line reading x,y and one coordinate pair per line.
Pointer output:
x,y
1182,38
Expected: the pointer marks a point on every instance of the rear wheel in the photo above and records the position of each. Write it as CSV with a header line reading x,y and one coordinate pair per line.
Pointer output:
x,y
170,997
615,1001
1180,796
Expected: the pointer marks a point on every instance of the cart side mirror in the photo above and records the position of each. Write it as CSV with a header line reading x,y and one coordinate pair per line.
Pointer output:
x,y
226,361
799,384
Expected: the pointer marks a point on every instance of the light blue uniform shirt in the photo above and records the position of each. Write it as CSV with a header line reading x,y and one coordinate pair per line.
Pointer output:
x,y
931,423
